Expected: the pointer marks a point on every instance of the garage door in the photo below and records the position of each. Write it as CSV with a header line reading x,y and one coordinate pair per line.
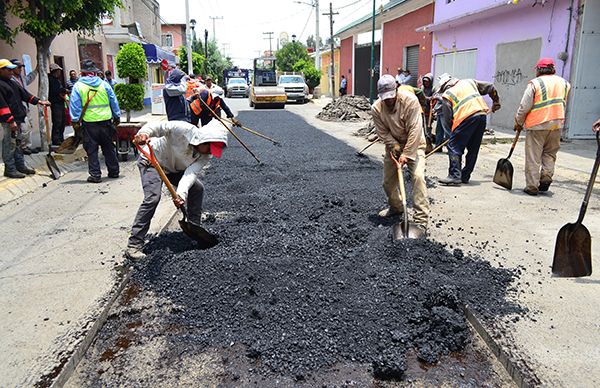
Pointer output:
x,y
460,64
412,63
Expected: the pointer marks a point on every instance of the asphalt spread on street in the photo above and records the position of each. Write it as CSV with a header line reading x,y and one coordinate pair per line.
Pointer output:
x,y
305,276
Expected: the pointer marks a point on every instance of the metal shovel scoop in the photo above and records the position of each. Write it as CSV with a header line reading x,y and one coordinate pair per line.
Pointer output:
x,y
573,249
404,229
204,238
504,168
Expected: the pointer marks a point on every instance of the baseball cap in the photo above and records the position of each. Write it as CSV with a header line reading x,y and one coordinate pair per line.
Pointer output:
x,y
216,148
17,63
386,87
6,63
545,62
54,66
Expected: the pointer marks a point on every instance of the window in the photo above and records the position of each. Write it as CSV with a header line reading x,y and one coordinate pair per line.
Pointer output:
x,y
167,40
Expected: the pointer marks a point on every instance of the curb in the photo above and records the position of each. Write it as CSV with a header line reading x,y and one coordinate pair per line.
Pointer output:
x,y
517,369
68,368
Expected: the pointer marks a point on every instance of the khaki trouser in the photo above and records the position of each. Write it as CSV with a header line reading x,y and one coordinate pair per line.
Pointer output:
x,y
541,147
416,169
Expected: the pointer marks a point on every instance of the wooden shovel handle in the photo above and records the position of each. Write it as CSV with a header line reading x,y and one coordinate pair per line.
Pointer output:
x,y
588,191
47,123
154,162
514,144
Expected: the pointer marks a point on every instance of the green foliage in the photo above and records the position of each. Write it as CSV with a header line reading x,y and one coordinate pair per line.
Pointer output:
x,y
289,54
310,42
130,96
44,19
6,33
131,62
311,74
216,62
197,61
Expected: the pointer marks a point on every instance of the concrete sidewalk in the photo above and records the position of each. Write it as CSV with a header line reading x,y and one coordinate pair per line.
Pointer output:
x,y
560,344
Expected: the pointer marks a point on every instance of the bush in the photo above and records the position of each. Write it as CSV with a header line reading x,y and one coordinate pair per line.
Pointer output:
x,y
130,96
197,61
311,74
131,62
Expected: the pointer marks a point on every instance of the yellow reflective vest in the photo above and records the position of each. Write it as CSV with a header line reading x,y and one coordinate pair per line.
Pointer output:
x,y
98,108
466,101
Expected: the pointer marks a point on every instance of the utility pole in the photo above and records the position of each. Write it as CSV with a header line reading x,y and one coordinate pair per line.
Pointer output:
x,y
371,80
213,18
205,52
270,42
188,38
332,73
317,43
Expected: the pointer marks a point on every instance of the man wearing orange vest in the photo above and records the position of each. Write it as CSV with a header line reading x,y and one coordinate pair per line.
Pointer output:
x,y
464,111
542,112
212,98
191,84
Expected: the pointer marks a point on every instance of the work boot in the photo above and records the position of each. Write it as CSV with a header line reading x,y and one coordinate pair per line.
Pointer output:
x,y
14,174
454,171
113,175
389,212
26,170
531,191
544,186
27,151
135,254
94,179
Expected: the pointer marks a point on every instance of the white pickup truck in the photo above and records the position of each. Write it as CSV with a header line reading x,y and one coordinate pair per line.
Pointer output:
x,y
295,87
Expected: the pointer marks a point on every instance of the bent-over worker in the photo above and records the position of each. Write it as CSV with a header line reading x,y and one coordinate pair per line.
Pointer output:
x,y
542,112
464,111
183,151
399,123
212,98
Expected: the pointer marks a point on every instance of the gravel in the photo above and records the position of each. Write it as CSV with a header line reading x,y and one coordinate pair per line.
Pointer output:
x,y
346,108
306,275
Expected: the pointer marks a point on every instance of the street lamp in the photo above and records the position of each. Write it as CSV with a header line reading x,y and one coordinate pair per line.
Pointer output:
x,y
193,25
205,52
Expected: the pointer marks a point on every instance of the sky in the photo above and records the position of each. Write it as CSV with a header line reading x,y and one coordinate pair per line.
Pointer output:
x,y
240,32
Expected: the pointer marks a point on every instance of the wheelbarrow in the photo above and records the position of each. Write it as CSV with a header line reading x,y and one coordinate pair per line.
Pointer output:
x,y
125,132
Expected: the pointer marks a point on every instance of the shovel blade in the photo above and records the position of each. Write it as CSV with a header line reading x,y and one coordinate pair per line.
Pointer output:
x,y
573,252
399,231
204,238
504,174
53,167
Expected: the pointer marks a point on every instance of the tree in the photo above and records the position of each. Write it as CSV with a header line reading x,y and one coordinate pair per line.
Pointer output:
x,y
216,62
289,54
131,64
311,74
197,60
310,42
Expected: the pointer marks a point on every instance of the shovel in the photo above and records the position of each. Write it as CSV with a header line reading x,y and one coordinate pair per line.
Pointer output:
x,y
404,229
504,168
204,238
50,162
573,249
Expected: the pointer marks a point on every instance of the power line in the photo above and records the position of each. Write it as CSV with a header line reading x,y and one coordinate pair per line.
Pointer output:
x,y
305,24
215,18
347,5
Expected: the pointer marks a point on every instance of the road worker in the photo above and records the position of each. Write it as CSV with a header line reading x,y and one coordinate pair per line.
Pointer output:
x,y
183,151
398,121
542,113
464,112
214,99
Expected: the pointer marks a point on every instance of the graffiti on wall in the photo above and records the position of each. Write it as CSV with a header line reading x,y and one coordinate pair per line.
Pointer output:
x,y
509,77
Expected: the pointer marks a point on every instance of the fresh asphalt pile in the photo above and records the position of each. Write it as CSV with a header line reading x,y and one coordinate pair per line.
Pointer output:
x,y
346,108
305,275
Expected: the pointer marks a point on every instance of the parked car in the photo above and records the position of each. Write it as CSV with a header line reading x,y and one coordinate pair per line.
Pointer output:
x,y
237,87
295,87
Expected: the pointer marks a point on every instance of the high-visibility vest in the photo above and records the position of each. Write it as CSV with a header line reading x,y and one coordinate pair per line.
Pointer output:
x,y
549,100
197,106
466,101
191,85
98,108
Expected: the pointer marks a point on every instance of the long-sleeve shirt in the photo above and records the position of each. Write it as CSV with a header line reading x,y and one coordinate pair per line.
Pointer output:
x,y
76,103
171,144
54,91
403,125
6,94
482,87
525,108
205,116
20,93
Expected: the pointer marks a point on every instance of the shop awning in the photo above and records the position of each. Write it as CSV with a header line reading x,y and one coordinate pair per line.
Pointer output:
x,y
155,54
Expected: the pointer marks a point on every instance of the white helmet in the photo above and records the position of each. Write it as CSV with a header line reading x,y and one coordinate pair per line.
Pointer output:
x,y
217,91
444,81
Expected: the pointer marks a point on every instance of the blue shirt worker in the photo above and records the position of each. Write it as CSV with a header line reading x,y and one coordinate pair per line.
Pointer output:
x,y
95,100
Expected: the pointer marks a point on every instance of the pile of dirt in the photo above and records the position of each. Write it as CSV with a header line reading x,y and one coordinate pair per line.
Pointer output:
x,y
367,131
305,276
346,108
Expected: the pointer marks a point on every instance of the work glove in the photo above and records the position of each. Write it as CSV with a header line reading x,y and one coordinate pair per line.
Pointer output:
x,y
518,127
116,121
179,202
140,139
395,150
236,122
495,106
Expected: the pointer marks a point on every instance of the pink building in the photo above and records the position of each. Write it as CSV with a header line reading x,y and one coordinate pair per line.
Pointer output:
x,y
172,36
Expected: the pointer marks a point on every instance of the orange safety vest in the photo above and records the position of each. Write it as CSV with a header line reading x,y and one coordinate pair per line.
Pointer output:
x,y
191,85
466,101
549,100
196,106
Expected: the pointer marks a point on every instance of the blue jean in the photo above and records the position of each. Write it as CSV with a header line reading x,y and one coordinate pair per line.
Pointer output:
x,y
96,135
468,135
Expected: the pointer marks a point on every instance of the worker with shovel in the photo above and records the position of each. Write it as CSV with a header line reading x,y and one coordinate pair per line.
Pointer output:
x,y
399,123
464,111
542,112
183,151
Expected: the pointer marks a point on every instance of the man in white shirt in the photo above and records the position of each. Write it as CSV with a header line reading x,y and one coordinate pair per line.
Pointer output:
x,y
184,152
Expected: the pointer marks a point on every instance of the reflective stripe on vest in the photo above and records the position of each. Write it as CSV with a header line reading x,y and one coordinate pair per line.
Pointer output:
x,y
197,105
549,100
466,101
191,85
98,108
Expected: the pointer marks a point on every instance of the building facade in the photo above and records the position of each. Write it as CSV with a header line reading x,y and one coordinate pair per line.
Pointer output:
x,y
325,82
172,37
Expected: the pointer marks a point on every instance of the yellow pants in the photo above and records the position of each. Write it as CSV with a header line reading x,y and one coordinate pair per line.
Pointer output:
x,y
416,169
541,147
